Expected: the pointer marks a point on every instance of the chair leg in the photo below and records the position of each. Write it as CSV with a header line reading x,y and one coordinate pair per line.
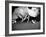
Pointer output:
x,y
28,18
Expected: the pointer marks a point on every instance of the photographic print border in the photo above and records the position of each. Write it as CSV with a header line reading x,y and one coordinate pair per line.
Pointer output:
x,y
7,17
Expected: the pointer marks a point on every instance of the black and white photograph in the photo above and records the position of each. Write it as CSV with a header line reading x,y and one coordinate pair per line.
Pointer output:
x,y
26,17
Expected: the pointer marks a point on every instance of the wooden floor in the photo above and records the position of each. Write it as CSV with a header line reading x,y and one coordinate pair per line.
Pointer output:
x,y
26,26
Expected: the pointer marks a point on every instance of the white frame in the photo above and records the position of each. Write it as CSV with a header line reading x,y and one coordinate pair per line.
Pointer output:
x,y
24,31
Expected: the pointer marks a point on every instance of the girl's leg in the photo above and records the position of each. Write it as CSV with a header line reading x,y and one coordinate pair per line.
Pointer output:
x,y
24,18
